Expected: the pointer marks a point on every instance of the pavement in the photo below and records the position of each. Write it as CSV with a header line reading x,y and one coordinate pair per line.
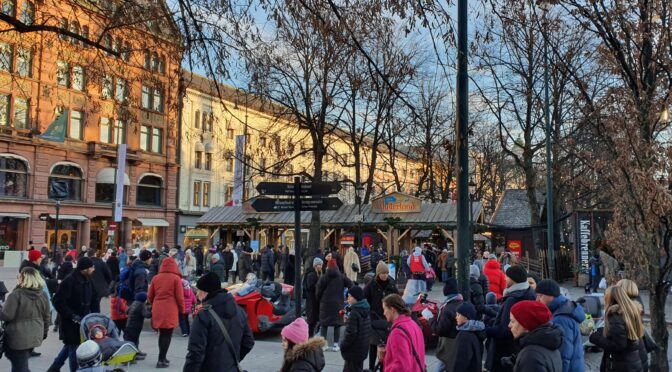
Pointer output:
x,y
265,356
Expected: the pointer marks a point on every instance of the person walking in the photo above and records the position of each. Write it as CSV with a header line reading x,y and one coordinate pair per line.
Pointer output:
x,y
101,277
290,267
538,338
351,264
75,298
123,259
449,264
113,266
568,315
137,313
405,349
330,295
596,271
302,354
476,292
26,314
380,287
496,278
268,264
167,298
139,273
445,326
357,331
441,262
208,348
619,338
189,264
200,257
632,291
419,267
227,257
312,277
469,340
118,308
218,267
189,303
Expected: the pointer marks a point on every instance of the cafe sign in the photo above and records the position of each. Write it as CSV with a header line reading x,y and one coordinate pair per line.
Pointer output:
x,y
396,202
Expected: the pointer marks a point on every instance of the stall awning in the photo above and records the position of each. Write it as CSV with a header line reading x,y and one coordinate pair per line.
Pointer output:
x,y
14,215
197,234
153,222
106,175
70,217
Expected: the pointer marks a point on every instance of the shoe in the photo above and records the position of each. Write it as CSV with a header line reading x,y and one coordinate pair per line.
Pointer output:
x,y
54,369
35,354
185,335
336,349
55,329
166,361
162,364
326,348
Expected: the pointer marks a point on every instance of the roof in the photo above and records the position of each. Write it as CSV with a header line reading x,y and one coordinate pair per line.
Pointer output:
x,y
513,209
430,214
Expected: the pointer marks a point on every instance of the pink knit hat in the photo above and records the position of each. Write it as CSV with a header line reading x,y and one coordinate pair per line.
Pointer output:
x,y
296,331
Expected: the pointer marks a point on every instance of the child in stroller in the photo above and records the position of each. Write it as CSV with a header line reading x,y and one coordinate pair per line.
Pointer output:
x,y
101,329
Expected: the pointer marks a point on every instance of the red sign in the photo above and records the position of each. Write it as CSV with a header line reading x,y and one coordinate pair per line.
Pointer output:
x,y
515,247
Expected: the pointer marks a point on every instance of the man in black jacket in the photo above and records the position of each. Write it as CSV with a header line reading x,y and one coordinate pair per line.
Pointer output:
x,y
208,350
357,331
101,277
268,264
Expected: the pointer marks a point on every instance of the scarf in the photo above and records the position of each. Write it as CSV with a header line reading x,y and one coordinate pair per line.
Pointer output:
x,y
516,287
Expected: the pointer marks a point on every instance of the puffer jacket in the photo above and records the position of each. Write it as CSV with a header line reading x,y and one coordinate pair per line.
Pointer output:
x,y
305,357
496,277
189,297
568,316
219,269
26,316
374,292
354,345
540,350
620,354
330,296
477,297
268,261
445,326
166,295
469,347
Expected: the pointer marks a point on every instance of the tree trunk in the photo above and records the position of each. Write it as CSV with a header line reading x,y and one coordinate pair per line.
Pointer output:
x,y
659,332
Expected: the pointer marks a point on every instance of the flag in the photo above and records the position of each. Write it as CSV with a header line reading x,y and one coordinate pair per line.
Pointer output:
x,y
56,130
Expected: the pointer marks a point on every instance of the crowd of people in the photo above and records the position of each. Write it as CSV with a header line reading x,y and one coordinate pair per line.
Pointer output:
x,y
510,321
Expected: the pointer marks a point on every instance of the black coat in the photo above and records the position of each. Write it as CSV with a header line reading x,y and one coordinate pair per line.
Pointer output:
x,y
288,272
227,257
139,276
219,269
374,292
101,277
469,348
540,350
207,349
445,326
354,345
305,357
137,313
620,354
476,296
330,295
76,296
268,261
312,304
113,266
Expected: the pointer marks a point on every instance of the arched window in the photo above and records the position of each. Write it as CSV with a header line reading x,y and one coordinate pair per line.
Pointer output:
x,y
13,177
65,182
149,190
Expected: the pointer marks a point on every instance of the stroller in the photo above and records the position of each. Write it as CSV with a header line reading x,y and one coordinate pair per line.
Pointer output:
x,y
124,355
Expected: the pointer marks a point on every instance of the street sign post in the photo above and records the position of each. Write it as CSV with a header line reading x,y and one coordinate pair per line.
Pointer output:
x,y
286,205
305,189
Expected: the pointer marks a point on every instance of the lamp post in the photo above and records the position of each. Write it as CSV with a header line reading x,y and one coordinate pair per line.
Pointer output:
x,y
360,218
472,193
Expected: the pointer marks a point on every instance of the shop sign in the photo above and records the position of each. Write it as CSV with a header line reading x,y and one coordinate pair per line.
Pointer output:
x,y
4,247
396,202
584,236
240,233
515,247
348,240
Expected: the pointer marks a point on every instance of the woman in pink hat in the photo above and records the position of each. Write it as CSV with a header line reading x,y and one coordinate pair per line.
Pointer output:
x,y
301,353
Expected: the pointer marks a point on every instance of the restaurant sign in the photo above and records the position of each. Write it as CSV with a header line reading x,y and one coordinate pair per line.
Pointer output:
x,y
396,202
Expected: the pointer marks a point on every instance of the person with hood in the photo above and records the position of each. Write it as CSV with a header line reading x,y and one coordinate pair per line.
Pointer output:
x,y
405,348
65,269
268,264
357,330
351,265
568,315
137,313
330,296
189,303
208,349
476,293
167,298
469,340
217,267
539,340
377,289
500,342
101,277
445,325
419,267
189,267
302,354
312,277
496,278
113,266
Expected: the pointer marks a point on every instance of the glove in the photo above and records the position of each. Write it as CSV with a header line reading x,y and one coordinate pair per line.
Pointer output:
x,y
427,314
76,318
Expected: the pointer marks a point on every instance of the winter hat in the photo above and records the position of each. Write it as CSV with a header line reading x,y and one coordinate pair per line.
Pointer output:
x,y
34,255
209,283
490,298
141,296
331,263
145,255
417,251
467,310
474,272
317,261
531,314
450,287
357,292
216,257
84,263
296,331
88,354
517,273
548,287
382,268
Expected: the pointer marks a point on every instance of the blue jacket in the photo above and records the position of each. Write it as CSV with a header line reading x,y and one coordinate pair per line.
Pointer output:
x,y
569,316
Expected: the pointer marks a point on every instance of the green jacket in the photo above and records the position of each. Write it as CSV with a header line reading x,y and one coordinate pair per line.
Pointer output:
x,y
26,316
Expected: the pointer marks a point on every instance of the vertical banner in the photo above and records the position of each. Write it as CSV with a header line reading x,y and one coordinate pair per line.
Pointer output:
x,y
238,182
119,183
584,236
515,247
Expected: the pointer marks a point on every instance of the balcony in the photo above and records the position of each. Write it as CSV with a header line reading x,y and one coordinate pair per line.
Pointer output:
x,y
98,150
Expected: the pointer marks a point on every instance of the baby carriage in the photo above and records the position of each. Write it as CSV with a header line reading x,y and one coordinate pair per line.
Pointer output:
x,y
125,351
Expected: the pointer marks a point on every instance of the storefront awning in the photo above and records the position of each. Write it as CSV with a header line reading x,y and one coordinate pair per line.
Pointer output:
x,y
70,217
197,234
153,222
106,175
14,215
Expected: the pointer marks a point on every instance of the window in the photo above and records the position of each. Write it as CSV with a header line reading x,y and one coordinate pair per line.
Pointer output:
x,y
206,194
121,93
119,132
6,57
211,120
69,180
9,7
145,138
198,160
146,97
197,119
74,28
262,141
4,110
27,12
105,130
107,87
117,47
158,100
229,133
24,62
62,73
152,98
21,113
229,164
148,60
76,121
208,161
85,33
162,65
13,177
107,41
77,78
262,165
126,52
157,140
197,193
149,191
155,62
63,24
229,192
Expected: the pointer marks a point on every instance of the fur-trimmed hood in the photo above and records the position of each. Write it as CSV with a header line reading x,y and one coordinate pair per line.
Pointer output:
x,y
307,356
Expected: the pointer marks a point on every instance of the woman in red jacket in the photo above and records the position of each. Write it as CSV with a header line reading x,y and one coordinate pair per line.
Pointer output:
x,y
496,277
405,349
167,298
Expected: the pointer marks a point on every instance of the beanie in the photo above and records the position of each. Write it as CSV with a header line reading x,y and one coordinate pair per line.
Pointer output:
x,y
317,261
34,255
474,272
531,314
467,310
382,268
357,292
450,287
296,331
215,257
517,273
209,283
548,287
145,255
141,296
84,263
490,298
88,354
331,263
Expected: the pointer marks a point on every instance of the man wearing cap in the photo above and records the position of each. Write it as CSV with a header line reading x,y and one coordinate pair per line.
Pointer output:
x,y
568,315
469,340
207,349
357,330
75,298
539,340
310,279
501,340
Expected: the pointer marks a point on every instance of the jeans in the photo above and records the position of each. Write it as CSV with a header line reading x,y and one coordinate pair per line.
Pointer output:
x,y
440,366
444,276
19,359
184,324
67,352
337,333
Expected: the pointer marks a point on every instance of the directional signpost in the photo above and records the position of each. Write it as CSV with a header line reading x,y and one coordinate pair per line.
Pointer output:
x,y
298,204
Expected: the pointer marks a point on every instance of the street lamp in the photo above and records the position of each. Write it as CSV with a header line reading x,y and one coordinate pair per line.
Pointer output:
x,y
358,199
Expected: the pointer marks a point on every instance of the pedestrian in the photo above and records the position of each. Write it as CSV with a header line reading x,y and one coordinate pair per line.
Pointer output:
x,y
217,267
199,259
405,349
137,313
632,291
419,267
75,298
476,293
208,348
445,325
189,267
490,310
568,315
101,277
365,260
288,275
245,261
82,253
480,260
539,340
113,266
311,278
496,278
189,303
65,269
167,298
469,340
351,264
139,273
268,264
26,314
302,354
357,331
533,280
596,271
123,259
449,264
227,257
619,338
500,338
441,262
377,289
118,308
330,289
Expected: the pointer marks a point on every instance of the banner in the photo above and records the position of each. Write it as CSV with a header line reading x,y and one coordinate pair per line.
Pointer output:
x,y
119,183
238,182
515,247
583,239
56,130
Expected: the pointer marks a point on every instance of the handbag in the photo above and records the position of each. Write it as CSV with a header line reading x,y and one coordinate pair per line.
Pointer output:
x,y
227,338
3,339
354,267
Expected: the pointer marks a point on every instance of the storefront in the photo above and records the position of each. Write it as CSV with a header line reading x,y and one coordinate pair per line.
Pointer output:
x,y
194,236
69,227
105,233
148,233
11,231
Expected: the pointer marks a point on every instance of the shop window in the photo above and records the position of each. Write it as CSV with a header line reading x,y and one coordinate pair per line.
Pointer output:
x,y
27,12
24,62
149,191
197,193
13,177
68,176
6,56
